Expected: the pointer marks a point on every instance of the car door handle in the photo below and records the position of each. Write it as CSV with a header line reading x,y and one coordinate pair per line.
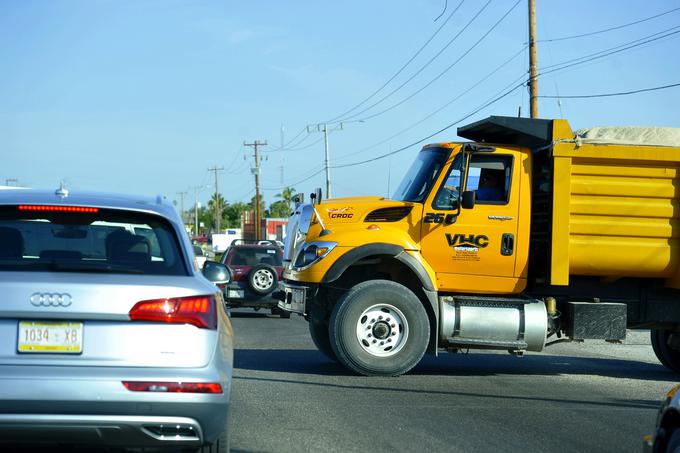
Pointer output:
x,y
507,244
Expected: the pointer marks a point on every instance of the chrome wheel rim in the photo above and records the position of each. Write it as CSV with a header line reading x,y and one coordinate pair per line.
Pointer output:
x,y
382,330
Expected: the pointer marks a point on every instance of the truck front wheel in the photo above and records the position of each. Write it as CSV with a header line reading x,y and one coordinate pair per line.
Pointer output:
x,y
668,356
379,328
318,330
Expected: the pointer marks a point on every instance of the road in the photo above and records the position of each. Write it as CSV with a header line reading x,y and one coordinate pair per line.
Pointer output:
x,y
592,397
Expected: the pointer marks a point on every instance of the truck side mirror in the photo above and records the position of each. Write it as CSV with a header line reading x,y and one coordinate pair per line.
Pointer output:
x,y
316,196
468,201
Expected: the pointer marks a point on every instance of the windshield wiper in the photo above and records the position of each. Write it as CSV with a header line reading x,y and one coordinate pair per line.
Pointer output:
x,y
59,266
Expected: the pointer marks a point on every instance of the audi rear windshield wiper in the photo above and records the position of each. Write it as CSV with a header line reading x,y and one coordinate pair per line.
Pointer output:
x,y
60,266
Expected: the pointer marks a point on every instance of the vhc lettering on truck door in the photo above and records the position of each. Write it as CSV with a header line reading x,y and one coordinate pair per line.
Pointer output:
x,y
467,240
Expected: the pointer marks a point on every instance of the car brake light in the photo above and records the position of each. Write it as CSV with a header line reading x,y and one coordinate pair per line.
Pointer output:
x,y
173,387
199,311
57,208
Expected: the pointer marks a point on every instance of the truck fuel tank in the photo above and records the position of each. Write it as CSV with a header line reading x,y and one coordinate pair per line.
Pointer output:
x,y
514,324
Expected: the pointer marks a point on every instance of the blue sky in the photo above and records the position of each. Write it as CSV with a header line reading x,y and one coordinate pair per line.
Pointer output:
x,y
143,96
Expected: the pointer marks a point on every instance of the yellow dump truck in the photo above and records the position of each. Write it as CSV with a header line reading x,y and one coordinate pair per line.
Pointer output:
x,y
528,235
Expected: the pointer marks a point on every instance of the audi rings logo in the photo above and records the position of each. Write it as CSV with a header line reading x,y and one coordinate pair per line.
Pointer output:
x,y
51,299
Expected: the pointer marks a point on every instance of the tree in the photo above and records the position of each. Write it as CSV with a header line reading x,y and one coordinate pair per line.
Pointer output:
x,y
217,200
231,215
278,209
286,196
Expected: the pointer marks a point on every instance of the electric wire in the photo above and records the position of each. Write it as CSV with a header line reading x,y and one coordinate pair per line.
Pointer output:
x,y
611,51
618,27
300,181
446,5
447,69
400,70
430,115
620,93
285,145
449,126
422,68
300,148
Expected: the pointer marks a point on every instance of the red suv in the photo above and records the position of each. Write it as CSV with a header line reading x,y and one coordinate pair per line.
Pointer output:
x,y
256,270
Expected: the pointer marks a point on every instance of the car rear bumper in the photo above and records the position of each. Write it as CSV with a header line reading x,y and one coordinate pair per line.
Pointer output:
x,y
110,430
239,294
90,405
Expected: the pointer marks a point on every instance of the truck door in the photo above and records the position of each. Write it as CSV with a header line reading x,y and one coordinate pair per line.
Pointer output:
x,y
475,251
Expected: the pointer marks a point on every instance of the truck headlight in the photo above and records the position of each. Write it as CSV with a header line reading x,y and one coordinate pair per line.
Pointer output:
x,y
313,252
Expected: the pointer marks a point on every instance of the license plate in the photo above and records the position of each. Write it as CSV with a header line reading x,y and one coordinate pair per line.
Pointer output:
x,y
50,337
235,294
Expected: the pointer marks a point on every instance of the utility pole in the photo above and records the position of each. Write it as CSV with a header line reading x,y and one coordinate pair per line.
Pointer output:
x,y
282,154
256,171
533,63
196,209
323,127
181,205
218,207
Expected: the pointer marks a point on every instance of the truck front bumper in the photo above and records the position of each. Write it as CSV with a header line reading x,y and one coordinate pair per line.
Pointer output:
x,y
295,297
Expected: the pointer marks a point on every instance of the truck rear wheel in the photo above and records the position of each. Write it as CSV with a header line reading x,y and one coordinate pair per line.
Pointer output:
x,y
379,328
668,356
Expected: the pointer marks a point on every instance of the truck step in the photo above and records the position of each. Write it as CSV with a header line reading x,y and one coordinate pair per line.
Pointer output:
x,y
487,344
486,300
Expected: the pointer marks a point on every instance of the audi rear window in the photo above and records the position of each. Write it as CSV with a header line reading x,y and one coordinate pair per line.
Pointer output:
x,y
98,240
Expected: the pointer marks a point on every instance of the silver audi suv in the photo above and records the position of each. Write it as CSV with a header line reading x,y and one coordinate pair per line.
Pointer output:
x,y
109,334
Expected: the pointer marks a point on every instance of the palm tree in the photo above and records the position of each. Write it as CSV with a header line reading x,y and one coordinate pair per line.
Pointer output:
x,y
217,205
287,195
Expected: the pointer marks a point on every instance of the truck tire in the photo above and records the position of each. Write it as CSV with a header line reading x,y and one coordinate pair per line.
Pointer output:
x,y
668,356
379,328
263,278
318,330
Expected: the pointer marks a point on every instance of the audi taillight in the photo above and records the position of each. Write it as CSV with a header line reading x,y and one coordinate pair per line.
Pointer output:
x,y
200,311
173,387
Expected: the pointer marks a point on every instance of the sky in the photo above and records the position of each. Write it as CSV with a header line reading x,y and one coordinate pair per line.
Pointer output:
x,y
144,96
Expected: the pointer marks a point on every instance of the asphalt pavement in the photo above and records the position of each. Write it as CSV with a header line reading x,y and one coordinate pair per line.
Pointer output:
x,y
592,397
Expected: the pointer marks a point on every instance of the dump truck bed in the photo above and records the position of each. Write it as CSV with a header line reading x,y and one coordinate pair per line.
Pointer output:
x,y
616,203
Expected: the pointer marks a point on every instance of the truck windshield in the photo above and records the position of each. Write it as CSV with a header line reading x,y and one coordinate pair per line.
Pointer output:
x,y
422,175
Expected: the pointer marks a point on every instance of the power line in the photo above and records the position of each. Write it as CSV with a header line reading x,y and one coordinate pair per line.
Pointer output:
x,y
449,126
611,51
302,131
448,68
296,148
621,93
304,179
424,66
446,5
618,27
430,115
404,65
